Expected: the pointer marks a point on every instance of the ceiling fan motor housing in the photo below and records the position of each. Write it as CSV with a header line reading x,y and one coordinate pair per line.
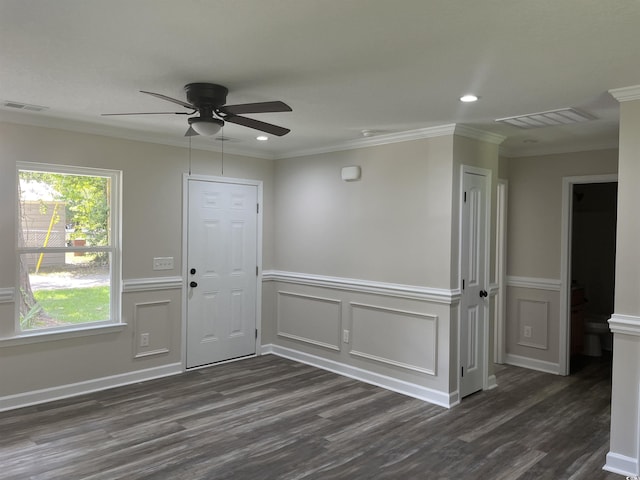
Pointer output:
x,y
206,95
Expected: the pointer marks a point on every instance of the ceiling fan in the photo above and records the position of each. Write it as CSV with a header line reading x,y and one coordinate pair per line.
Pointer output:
x,y
208,101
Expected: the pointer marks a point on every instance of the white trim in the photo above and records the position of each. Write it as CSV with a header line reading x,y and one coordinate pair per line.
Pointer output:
x,y
492,382
564,333
625,324
483,136
500,333
626,94
61,334
532,363
151,284
7,295
435,295
550,284
406,136
36,397
186,177
426,394
493,289
622,465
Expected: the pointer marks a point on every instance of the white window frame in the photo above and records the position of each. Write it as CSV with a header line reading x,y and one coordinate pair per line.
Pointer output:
x,y
114,249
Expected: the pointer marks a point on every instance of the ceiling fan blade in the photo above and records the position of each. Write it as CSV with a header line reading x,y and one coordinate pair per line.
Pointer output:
x,y
169,99
258,125
148,113
260,107
191,132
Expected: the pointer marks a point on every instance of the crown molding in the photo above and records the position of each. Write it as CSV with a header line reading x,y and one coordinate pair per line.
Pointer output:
x,y
626,94
62,123
398,137
477,134
376,140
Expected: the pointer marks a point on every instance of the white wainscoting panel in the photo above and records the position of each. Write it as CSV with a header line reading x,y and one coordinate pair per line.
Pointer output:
x,y
310,319
154,319
533,315
402,338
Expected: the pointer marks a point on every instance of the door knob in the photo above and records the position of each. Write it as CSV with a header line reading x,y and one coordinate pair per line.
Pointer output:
x,y
483,293
193,284
193,271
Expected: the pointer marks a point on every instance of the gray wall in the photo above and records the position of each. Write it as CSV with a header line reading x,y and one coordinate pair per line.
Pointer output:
x,y
394,225
152,226
534,234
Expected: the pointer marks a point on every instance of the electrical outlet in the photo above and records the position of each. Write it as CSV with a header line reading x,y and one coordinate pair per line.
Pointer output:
x,y
144,339
345,336
163,263
527,331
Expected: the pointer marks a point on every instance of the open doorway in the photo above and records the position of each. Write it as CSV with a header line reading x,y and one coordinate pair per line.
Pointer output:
x,y
592,271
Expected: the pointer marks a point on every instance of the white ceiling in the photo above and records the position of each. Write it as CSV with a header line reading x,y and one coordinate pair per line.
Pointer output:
x,y
343,65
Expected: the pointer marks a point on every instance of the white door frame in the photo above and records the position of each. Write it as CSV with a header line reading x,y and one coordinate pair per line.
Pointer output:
x,y
486,384
500,338
565,262
186,177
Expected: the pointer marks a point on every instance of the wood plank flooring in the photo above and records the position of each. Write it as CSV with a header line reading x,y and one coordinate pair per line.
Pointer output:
x,y
270,418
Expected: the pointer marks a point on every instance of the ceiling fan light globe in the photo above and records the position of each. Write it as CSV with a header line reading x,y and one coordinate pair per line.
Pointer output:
x,y
206,126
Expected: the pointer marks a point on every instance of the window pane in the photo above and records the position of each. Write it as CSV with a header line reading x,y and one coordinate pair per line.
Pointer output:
x,y
59,209
67,289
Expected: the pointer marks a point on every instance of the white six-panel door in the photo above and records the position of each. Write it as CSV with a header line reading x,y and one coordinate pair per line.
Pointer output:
x,y
473,261
221,271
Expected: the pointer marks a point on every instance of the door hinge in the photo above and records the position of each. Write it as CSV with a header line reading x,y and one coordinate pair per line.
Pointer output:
x,y
463,283
257,208
256,333
462,371
256,270
465,197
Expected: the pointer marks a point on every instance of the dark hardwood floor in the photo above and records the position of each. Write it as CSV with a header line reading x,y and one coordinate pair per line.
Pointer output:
x,y
270,418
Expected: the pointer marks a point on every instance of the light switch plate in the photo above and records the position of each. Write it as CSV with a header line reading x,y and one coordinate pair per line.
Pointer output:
x,y
163,263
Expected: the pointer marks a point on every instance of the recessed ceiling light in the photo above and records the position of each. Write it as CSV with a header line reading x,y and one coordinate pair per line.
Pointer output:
x,y
262,138
468,98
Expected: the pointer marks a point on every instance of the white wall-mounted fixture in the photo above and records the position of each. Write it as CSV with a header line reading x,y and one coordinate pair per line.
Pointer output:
x,y
351,173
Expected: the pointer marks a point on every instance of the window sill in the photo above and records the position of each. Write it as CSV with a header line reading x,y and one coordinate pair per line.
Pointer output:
x,y
50,336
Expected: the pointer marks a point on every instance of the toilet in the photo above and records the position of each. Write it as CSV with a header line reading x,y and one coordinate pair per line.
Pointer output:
x,y
597,335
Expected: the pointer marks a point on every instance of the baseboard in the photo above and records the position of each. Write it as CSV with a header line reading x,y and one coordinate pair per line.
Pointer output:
x,y
622,465
532,363
492,382
410,389
35,397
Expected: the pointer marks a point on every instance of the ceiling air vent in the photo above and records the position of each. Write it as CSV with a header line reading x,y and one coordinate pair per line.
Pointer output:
x,y
564,116
23,106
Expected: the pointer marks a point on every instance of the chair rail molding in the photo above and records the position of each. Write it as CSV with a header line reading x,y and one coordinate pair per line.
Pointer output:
x,y
625,324
436,295
535,283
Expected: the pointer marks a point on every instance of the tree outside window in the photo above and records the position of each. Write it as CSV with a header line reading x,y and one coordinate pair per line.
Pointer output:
x,y
66,247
